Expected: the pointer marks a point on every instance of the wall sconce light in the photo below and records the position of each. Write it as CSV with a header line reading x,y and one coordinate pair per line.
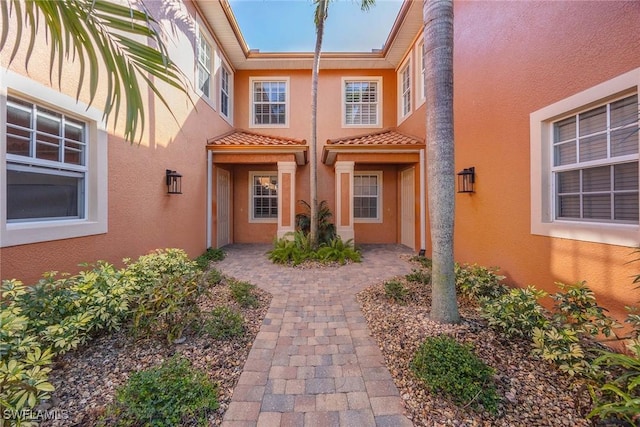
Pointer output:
x,y
174,182
466,180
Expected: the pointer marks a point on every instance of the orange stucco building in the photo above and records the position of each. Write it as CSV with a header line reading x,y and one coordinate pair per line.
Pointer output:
x,y
546,112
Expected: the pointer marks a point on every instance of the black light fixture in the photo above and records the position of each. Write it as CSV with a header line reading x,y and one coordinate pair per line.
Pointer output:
x,y
466,180
174,182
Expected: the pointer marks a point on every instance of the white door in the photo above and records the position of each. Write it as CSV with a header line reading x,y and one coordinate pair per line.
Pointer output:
x,y
407,208
223,199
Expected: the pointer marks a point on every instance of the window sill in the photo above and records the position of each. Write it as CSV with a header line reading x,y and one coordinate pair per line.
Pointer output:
x,y
611,234
35,232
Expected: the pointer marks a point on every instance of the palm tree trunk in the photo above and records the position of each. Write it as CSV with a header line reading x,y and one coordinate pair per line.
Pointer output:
x,y
321,15
438,44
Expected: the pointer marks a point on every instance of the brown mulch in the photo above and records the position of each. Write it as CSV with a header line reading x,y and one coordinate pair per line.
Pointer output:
x,y
86,380
533,392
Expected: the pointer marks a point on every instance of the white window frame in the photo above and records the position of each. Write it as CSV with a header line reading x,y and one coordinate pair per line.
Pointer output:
x,y
421,89
252,116
368,79
404,92
252,175
378,174
203,34
95,220
228,93
543,220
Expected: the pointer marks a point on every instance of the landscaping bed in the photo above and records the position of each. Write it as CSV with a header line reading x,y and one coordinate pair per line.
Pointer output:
x,y
86,379
532,392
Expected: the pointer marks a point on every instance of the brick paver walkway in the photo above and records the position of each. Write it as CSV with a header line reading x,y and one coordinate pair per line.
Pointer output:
x,y
314,362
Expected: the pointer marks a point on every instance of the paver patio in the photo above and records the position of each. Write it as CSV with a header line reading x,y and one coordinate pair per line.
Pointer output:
x,y
314,362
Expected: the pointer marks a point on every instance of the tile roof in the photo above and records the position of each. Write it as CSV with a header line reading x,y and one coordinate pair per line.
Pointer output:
x,y
244,138
385,137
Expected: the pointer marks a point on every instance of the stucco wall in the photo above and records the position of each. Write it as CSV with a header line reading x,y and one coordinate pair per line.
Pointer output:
x,y
142,216
511,59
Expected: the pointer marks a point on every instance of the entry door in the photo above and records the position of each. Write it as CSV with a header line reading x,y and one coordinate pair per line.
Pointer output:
x,y
223,198
407,208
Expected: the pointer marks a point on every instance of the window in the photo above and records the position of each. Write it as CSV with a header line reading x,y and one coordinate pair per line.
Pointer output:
x,y
269,100
584,165
53,171
45,163
595,163
367,196
204,65
405,89
264,196
225,92
422,86
362,102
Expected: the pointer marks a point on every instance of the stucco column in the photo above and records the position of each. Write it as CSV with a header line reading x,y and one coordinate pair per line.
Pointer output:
x,y
286,198
344,200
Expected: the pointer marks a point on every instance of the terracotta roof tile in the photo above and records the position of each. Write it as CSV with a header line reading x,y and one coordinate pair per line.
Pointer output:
x,y
385,137
240,137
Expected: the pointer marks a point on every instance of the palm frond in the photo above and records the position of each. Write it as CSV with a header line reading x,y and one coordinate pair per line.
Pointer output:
x,y
125,40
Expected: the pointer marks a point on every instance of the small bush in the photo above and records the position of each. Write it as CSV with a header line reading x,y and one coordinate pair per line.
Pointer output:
x,y
326,229
242,292
422,260
396,291
577,308
516,313
562,347
213,277
476,282
224,323
452,368
619,398
295,248
168,395
169,286
419,276
209,255
339,251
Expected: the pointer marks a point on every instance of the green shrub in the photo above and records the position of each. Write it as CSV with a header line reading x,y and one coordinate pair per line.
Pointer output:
x,y
516,313
243,293
339,251
476,282
209,255
223,323
422,260
452,368
562,347
169,395
293,248
169,286
619,398
213,277
419,276
24,366
577,308
396,291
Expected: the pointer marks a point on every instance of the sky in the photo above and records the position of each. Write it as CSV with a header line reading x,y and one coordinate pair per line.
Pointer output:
x,y
287,25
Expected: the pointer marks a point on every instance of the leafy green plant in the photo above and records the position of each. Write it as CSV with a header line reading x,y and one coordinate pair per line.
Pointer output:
x,y
396,291
293,248
422,260
517,313
577,308
213,277
211,254
475,282
168,395
419,276
168,288
243,293
224,322
562,347
619,398
452,368
326,229
339,251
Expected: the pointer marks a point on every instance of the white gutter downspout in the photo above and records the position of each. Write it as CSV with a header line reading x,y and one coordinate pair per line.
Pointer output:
x,y
423,204
209,195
